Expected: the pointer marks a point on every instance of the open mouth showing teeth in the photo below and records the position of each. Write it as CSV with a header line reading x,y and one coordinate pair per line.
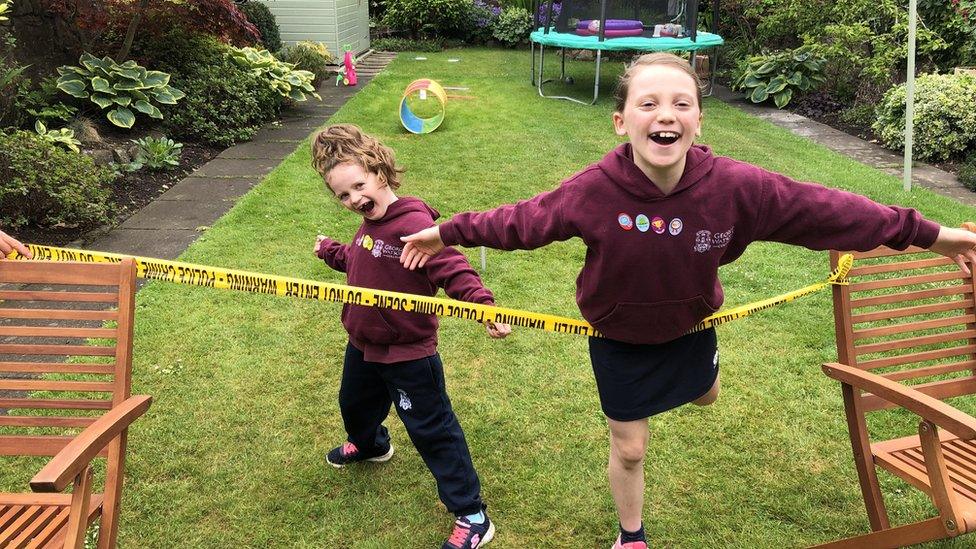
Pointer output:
x,y
367,207
664,138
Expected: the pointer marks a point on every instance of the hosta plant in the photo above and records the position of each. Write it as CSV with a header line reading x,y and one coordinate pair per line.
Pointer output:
x,y
62,136
157,153
282,77
777,75
118,89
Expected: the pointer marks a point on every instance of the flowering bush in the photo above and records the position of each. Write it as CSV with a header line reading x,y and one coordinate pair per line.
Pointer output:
x,y
557,8
483,17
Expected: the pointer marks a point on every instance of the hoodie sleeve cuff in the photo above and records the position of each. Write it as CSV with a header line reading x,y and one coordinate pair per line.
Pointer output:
x,y
323,249
448,232
928,231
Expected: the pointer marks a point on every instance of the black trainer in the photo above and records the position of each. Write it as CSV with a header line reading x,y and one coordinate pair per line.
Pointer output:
x,y
340,456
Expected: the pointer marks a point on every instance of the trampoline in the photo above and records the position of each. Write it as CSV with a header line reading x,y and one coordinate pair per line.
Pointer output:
x,y
666,25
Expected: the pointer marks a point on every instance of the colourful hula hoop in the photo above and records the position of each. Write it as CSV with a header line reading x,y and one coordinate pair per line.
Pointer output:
x,y
412,122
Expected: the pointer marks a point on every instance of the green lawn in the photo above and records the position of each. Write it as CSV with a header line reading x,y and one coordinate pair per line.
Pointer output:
x,y
232,451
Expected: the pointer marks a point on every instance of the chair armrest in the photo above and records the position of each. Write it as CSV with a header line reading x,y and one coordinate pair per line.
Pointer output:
x,y
958,423
77,454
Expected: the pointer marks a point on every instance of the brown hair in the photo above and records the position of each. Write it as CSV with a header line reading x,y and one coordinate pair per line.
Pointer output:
x,y
650,59
342,143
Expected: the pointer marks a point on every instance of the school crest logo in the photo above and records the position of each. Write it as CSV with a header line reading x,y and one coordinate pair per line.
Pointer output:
x,y
404,403
377,248
703,241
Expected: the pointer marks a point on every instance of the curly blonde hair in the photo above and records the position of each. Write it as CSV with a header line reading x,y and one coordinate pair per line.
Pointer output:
x,y
647,60
342,143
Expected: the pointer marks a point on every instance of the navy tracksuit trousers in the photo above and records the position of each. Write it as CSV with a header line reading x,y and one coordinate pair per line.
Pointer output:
x,y
418,391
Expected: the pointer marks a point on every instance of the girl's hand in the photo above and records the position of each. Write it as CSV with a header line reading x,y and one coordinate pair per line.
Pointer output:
x,y
318,243
498,331
9,243
957,244
420,247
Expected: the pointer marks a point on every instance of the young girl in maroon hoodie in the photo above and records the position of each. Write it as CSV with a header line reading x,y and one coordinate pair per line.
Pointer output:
x,y
662,200
391,357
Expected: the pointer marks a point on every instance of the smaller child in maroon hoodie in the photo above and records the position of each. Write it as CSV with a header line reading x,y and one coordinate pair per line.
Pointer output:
x,y
657,200
391,357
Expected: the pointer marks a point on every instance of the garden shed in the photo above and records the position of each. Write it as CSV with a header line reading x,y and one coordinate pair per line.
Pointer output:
x,y
336,23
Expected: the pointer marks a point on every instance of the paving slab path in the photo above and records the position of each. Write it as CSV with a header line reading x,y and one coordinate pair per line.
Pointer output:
x,y
168,225
865,152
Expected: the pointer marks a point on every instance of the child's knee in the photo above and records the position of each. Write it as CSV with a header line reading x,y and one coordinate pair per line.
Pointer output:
x,y
630,451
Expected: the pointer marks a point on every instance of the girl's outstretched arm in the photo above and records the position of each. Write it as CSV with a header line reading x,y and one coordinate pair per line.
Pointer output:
x,y
333,253
9,243
957,244
420,247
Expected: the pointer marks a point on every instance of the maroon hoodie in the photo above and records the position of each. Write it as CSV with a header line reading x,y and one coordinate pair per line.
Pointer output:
x,y
651,269
373,261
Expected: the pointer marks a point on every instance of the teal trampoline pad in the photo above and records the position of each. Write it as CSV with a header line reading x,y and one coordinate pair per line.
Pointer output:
x,y
628,43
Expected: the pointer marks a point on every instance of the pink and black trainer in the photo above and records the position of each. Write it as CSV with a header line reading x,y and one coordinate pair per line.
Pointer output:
x,y
341,456
468,535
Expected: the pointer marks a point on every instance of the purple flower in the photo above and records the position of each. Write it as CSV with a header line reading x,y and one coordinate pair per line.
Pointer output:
x,y
557,8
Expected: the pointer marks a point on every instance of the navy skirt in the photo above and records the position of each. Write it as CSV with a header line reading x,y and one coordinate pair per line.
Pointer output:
x,y
636,381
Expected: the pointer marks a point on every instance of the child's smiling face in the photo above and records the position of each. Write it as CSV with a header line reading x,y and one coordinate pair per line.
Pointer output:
x,y
360,191
661,117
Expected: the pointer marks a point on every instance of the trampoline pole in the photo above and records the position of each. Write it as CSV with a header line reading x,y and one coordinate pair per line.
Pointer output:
x,y
532,52
596,83
542,64
562,71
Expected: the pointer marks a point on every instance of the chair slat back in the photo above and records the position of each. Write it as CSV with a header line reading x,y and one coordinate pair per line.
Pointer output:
x,y
909,316
65,349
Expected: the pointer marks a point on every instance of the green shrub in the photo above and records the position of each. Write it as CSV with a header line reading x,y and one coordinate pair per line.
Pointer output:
x,y
945,121
157,153
309,56
777,75
429,18
512,26
62,136
116,88
225,103
407,44
282,77
42,104
46,186
967,172
262,18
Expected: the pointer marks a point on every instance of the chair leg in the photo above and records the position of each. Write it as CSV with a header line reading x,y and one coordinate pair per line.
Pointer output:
x,y
78,516
863,462
108,530
910,534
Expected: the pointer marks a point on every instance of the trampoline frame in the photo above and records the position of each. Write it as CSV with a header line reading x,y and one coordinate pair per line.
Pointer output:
x,y
538,81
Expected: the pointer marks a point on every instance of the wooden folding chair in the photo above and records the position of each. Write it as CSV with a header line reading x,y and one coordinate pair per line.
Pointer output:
x,y
46,400
906,338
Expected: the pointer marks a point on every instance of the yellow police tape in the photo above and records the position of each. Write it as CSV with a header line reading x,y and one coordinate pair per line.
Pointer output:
x,y
212,277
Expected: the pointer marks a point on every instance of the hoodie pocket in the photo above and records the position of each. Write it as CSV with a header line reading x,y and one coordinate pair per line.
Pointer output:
x,y
369,324
634,322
